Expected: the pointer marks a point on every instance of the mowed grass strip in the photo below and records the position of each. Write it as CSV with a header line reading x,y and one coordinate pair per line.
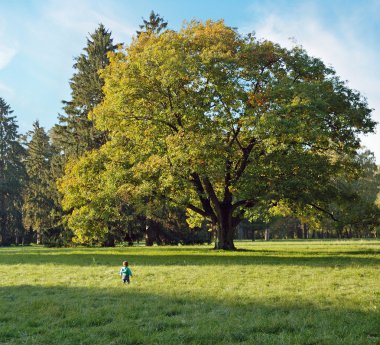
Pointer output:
x,y
303,292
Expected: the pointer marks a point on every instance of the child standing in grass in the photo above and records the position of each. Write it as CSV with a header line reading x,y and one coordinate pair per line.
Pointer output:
x,y
125,272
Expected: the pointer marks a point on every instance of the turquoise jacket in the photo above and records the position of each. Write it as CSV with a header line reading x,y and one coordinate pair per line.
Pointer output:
x,y
126,271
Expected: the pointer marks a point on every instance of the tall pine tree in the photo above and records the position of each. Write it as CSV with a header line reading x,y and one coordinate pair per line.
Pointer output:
x,y
12,177
155,24
75,133
39,192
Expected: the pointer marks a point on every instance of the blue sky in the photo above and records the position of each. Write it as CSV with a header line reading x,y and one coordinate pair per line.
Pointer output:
x,y
40,38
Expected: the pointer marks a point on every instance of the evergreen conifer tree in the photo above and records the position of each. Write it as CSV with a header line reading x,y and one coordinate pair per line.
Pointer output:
x,y
155,24
39,193
75,133
12,177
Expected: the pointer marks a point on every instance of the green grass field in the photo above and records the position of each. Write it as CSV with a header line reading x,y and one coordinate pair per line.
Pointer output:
x,y
267,293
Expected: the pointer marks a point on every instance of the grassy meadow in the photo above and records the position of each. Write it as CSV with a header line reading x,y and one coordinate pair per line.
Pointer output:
x,y
301,292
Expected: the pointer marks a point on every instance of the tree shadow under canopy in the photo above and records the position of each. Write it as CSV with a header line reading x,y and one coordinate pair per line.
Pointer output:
x,y
89,257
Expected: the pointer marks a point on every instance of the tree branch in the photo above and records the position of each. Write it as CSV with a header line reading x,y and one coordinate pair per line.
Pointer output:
x,y
196,181
246,203
212,195
227,198
170,125
244,161
235,135
331,215
178,118
198,210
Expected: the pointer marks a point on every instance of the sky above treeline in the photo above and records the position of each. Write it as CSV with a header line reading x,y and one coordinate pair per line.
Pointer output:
x,y
40,38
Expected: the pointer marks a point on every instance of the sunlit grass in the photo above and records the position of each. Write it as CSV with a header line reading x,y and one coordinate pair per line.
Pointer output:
x,y
312,292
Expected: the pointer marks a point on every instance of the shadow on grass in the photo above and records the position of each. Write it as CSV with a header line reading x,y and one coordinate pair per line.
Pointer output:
x,y
88,257
123,315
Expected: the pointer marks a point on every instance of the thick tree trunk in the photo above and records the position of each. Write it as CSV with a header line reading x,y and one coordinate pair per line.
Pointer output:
x,y
219,212
3,230
267,234
299,231
225,230
129,238
339,230
109,241
4,235
148,233
306,231
152,232
225,238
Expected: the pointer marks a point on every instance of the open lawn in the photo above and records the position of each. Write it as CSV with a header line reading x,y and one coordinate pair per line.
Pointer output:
x,y
302,292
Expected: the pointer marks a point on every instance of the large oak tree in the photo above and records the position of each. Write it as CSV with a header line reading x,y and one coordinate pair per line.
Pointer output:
x,y
219,122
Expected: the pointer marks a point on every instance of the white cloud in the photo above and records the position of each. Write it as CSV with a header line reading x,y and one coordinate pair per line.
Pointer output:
x,y
62,29
82,17
6,55
341,47
8,47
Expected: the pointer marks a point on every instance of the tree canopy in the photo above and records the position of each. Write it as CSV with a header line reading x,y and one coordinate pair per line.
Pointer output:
x,y
185,136
220,122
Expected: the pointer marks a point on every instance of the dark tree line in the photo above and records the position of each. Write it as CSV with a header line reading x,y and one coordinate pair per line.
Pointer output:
x,y
32,166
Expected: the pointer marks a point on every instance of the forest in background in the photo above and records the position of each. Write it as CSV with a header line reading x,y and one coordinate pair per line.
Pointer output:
x,y
77,183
